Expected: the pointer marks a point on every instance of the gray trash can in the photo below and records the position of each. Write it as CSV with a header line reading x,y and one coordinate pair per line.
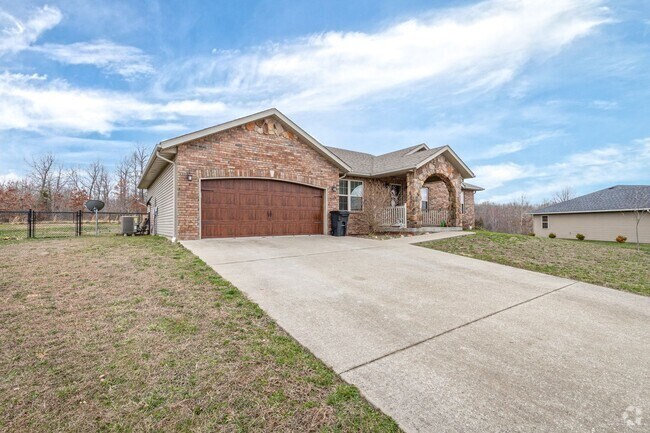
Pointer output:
x,y
339,222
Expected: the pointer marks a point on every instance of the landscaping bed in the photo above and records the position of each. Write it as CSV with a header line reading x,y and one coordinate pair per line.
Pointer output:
x,y
609,264
137,334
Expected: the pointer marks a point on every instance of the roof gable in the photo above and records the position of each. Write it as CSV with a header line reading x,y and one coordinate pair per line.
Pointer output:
x,y
156,164
271,112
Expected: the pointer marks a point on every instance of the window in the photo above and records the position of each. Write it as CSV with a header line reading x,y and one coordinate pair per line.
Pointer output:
x,y
462,202
350,195
544,221
424,193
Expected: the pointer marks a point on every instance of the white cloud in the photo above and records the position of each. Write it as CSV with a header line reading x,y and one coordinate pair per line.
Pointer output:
x,y
112,58
16,35
605,105
36,103
609,165
471,48
496,175
9,177
517,145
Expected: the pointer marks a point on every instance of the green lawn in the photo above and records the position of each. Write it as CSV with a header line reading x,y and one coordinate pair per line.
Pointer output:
x,y
610,264
122,334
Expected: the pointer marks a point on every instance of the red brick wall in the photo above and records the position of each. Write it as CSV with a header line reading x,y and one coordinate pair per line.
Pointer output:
x,y
358,224
262,149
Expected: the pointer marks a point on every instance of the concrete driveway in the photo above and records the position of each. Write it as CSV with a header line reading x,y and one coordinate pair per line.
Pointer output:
x,y
445,343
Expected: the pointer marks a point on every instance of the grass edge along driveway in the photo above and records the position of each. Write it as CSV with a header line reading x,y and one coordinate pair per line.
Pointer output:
x,y
609,264
137,334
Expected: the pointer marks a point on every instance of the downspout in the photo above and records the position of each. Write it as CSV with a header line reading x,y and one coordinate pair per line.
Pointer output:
x,y
158,155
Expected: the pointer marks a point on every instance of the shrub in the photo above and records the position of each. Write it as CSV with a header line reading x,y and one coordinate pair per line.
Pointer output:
x,y
551,235
621,239
531,234
580,237
443,223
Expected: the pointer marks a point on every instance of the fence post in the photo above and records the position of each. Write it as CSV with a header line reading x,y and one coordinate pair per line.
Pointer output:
x,y
80,216
29,223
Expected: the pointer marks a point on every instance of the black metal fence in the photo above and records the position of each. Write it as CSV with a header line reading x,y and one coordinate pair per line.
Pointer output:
x,y
39,224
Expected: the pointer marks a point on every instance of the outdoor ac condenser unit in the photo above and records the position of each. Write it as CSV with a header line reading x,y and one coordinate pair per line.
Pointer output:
x,y
128,225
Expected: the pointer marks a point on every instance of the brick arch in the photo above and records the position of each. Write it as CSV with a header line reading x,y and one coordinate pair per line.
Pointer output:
x,y
453,195
437,169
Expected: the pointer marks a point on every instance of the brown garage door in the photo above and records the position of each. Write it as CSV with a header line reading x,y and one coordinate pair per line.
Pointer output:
x,y
257,207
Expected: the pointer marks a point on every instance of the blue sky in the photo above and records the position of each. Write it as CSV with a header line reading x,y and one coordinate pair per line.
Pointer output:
x,y
534,95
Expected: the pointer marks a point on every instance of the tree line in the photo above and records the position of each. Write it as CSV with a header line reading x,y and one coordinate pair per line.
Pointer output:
x,y
514,217
52,187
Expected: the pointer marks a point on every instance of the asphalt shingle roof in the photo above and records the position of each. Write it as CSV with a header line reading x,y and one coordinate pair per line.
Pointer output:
x,y
471,187
369,165
619,197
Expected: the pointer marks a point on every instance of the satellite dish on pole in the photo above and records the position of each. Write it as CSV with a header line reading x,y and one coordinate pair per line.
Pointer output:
x,y
95,206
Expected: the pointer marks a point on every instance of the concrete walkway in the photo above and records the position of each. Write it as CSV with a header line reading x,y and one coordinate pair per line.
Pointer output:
x,y
442,342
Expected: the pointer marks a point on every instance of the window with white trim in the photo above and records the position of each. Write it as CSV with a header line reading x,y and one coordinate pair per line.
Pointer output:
x,y
544,221
350,195
462,202
424,194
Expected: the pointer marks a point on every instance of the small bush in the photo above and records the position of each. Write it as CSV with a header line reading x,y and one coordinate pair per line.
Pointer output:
x,y
551,235
443,223
580,237
531,234
621,239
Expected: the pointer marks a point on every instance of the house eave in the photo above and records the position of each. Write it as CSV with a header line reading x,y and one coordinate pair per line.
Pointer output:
x,y
588,211
155,165
465,171
271,112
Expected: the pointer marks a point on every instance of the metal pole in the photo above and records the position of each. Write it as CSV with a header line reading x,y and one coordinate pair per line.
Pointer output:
x,y
96,223
29,223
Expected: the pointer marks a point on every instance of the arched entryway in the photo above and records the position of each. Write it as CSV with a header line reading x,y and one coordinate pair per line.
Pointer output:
x,y
440,205
445,182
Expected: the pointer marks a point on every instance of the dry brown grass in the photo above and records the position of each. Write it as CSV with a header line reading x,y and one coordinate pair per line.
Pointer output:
x,y
609,264
137,334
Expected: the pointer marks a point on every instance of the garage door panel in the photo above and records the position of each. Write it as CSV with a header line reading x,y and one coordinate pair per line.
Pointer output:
x,y
258,207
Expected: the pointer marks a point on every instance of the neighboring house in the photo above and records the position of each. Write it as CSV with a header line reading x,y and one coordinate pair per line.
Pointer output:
x,y
602,215
262,175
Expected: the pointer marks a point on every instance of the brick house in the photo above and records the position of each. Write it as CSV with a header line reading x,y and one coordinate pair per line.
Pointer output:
x,y
262,175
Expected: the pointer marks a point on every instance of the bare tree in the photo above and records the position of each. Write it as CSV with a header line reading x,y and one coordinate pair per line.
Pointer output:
x,y
376,197
123,177
641,200
139,159
41,175
564,194
513,217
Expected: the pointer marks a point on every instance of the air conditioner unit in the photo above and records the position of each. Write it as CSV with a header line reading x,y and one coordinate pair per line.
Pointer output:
x,y
128,225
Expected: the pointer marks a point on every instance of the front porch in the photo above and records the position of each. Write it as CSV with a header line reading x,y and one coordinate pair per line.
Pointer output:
x,y
429,197
395,218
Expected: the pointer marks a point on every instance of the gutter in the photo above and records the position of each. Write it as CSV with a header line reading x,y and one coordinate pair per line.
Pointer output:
x,y
158,155
587,211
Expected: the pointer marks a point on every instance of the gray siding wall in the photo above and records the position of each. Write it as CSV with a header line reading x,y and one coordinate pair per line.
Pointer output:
x,y
603,226
162,193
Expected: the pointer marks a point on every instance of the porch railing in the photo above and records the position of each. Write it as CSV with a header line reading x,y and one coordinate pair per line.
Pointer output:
x,y
394,216
435,218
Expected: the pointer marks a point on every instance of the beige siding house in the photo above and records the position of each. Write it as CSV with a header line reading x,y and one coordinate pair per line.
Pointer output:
x,y
602,215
